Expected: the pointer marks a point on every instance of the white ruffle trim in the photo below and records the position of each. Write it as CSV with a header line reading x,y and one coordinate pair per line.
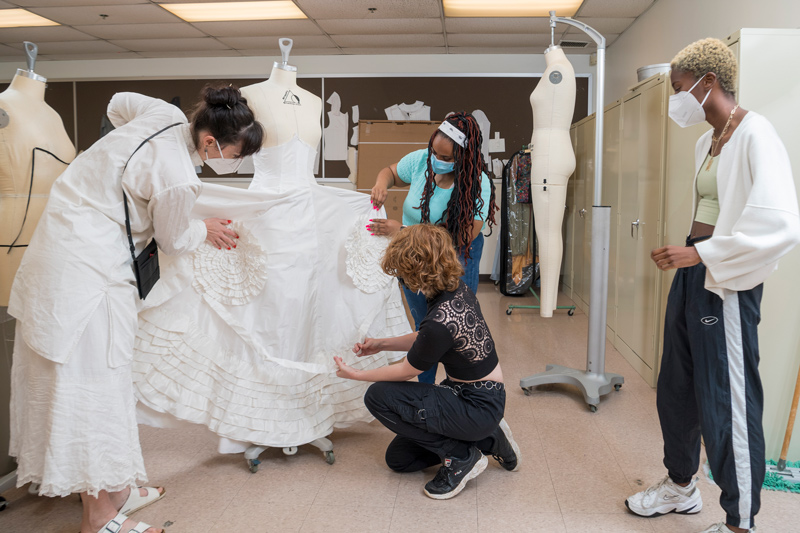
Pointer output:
x,y
364,255
181,371
231,277
53,490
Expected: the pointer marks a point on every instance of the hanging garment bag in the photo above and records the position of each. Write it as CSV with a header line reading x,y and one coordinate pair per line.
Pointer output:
x,y
517,241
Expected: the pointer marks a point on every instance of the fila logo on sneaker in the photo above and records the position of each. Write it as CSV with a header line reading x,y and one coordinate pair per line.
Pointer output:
x,y
447,462
709,320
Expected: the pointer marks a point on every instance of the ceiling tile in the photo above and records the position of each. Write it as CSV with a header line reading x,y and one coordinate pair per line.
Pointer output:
x,y
172,30
43,34
386,41
274,54
537,41
76,47
613,8
395,51
12,52
357,9
129,14
190,53
608,25
380,26
4,5
83,57
71,3
165,45
497,25
575,34
270,43
259,28
498,50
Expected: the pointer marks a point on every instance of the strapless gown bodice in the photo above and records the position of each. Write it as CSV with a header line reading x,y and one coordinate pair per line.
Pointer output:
x,y
284,167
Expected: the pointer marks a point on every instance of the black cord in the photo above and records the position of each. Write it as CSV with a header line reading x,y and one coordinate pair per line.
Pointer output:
x,y
30,193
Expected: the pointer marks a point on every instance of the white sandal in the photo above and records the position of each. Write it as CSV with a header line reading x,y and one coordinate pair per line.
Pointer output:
x,y
136,501
115,525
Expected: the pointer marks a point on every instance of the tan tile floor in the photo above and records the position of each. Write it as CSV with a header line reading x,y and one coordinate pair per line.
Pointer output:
x,y
578,467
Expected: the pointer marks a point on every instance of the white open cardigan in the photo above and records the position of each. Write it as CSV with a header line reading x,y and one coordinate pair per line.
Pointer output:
x,y
758,216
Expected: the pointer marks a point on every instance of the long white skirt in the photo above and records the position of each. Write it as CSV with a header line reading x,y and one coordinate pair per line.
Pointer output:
x,y
73,425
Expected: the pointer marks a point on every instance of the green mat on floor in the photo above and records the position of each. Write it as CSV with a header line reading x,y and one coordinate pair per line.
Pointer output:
x,y
773,481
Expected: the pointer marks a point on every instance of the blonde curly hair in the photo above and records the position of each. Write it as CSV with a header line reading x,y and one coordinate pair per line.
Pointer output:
x,y
709,55
424,257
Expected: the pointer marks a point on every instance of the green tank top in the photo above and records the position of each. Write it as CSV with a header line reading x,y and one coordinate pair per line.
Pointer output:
x,y
708,206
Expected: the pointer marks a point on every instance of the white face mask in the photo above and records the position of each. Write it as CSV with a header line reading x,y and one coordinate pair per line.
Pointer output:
x,y
684,108
221,165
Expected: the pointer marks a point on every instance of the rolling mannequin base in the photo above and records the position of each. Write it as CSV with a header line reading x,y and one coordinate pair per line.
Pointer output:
x,y
591,384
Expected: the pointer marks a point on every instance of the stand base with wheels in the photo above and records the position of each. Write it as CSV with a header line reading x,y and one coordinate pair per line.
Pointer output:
x,y
591,384
252,453
570,312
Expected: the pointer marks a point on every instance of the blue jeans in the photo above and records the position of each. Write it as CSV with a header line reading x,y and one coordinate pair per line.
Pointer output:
x,y
418,305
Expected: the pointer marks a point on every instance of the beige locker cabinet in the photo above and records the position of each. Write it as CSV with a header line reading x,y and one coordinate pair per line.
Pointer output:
x,y
769,84
567,265
588,128
580,263
610,197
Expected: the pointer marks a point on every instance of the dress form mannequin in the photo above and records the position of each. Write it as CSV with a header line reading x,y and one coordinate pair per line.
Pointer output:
x,y
282,107
552,163
27,122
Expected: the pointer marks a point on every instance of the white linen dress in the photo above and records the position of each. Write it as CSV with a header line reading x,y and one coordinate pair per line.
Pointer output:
x,y
73,418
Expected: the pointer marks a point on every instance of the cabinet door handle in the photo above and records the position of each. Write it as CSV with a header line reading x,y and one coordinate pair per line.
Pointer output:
x,y
582,213
635,223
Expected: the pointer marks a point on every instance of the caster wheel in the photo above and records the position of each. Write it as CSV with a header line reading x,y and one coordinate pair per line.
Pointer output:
x,y
3,504
252,464
508,311
571,312
527,391
593,408
329,458
291,450
618,386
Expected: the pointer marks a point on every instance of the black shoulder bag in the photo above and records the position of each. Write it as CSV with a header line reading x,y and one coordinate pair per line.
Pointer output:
x,y
145,266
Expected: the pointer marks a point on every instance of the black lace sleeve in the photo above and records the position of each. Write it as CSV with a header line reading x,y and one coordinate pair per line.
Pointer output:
x,y
433,341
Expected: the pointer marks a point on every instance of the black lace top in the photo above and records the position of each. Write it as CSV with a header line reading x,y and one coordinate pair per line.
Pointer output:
x,y
455,334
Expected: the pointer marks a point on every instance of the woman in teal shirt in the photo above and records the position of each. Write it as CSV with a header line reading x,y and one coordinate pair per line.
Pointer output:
x,y
448,186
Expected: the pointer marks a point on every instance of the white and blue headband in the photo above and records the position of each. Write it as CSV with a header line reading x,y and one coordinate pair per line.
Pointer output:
x,y
454,133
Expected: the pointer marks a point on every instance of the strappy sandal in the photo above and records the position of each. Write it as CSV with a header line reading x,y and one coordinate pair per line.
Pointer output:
x,y
136,501
115,525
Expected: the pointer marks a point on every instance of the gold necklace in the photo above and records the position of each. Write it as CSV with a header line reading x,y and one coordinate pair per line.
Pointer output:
x,y
716,140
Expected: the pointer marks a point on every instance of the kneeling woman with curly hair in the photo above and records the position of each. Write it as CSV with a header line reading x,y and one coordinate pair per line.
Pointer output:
x,y
458,421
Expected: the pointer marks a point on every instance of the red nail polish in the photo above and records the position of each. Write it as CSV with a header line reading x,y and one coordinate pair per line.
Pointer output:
x,y
372,234
234,246
229,247
229,222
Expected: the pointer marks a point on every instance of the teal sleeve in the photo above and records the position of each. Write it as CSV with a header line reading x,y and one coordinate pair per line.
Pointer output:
x,y
486,196
413,165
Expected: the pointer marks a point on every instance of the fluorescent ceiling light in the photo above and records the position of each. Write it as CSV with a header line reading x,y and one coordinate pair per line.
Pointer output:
x,y
510,8
224,11
19,18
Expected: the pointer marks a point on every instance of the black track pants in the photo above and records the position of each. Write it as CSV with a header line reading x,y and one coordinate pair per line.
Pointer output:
x,y
709,383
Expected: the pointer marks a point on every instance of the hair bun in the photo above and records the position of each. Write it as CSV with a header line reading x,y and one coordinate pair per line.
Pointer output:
x,y
227,96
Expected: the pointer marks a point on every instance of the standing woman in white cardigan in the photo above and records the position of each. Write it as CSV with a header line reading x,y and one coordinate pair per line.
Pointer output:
x,y
745,219
73,421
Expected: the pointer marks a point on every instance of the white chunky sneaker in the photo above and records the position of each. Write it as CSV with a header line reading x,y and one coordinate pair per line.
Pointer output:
x,y
666,497
722,528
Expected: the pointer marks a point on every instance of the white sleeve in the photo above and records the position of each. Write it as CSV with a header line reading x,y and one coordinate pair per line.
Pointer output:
x,y
769,226
175,232
124,107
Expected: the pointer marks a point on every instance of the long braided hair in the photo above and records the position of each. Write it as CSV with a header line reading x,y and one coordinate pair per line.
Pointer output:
x,y
465,202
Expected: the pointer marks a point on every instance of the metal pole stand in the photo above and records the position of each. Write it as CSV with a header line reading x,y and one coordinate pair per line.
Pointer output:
x,y
570,308
594,381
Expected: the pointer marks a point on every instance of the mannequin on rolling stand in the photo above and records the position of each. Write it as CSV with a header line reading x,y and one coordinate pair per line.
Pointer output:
x,y
552,163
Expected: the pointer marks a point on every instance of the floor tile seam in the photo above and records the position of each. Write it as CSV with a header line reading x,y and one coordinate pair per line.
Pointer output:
x,y
547,464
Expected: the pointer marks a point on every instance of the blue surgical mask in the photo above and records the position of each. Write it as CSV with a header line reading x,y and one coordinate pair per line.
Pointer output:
x,y
440,167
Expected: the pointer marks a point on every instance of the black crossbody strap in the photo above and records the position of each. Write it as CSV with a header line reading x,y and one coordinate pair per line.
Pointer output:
x,y
125,197
30,193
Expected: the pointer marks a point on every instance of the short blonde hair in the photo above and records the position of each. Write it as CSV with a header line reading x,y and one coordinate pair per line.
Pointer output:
x,y
424,256
709,55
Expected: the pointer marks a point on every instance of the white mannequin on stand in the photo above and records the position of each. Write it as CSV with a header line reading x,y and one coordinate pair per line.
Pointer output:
x,y
552,163
26,122
282,107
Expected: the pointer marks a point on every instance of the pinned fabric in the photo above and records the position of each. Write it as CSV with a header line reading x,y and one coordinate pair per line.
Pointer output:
x,y
364,256
458,136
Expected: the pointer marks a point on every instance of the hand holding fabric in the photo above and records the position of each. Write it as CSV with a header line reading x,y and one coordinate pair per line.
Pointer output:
x,y
383,226
343,370
368,347
219,234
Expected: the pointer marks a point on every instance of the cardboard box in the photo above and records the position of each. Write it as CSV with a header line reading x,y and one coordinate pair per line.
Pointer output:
x,y
384,142
394,203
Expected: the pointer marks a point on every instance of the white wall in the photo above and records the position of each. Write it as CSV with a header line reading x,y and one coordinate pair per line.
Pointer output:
x,y
661,32
259,67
